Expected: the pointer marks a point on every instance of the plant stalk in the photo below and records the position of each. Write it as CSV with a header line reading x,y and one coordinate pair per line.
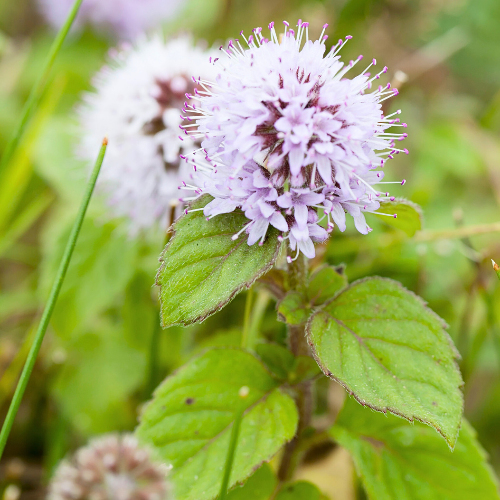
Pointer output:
x,y
39,87
297,281
49,308
246,319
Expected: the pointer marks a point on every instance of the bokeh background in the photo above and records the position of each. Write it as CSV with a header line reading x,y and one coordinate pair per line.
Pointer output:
x,y
98,362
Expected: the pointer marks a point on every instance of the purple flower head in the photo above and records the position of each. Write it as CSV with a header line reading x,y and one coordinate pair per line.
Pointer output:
x,y
286,131
125,18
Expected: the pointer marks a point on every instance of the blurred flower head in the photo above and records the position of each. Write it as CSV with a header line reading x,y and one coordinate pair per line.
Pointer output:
x,y
125,18
110,468
137,104
287,135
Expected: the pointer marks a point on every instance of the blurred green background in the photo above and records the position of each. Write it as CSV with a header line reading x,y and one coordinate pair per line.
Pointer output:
x,y
96,366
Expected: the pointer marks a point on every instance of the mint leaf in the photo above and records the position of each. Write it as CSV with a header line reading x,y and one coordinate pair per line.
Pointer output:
x,y
190,418
203,268
409,215
391,352
410,462
293,309
260,486
301,490
324,283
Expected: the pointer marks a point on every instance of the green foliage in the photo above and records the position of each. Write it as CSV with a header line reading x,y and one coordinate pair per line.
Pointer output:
x,y
190,418
392,353
203,268
397,461
285,365
293,309
409,215
324,283
95,278
301,490
259,486
96,380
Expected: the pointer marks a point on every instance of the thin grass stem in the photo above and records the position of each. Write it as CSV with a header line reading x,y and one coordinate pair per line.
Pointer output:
x,y
49,308
496,268
39,87
246,319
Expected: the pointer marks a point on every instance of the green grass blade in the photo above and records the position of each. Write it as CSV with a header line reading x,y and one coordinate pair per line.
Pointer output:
x,y
39,87
47,313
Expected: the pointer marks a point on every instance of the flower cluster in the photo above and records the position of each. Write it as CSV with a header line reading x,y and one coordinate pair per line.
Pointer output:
x,y
137,105
110,468
286,135
126,18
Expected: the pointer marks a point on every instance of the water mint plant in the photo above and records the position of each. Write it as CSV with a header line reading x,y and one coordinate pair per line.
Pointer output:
x,y
290,144
293,368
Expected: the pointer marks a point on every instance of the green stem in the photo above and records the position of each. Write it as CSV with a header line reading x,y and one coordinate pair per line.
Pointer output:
x,y
246,320
39,87
297,281
47,313
232,447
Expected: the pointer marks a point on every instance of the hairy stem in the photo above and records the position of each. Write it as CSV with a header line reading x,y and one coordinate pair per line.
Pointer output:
x,y
49,308
297,281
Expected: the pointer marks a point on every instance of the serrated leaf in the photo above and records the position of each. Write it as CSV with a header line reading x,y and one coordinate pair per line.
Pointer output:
x,y
391,352
259,486
301,490
293,309
398,461
203,268
190,418
324,283
409,215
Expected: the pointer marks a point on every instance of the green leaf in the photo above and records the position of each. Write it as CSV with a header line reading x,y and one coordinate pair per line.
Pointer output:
x,y
293,309
259,486
391,352
203,268
324,283
190,418
409,215
397,461
301,490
